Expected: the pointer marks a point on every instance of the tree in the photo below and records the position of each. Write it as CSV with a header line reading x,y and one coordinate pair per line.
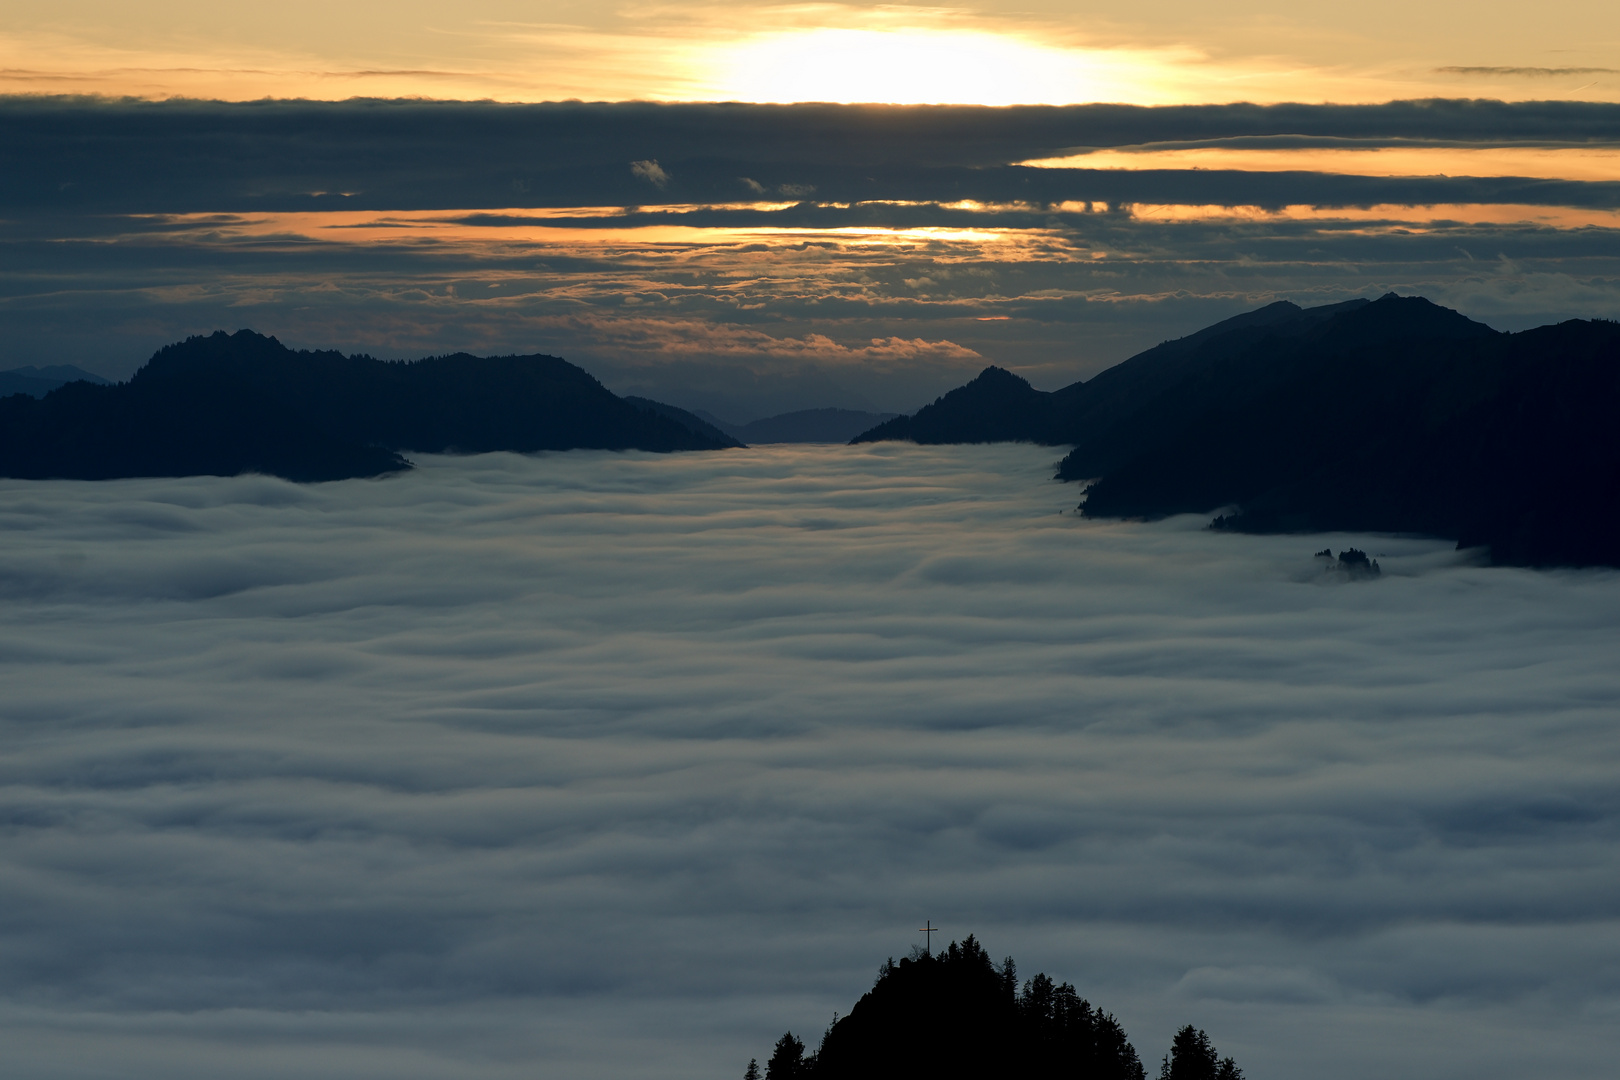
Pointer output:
x,y
787,1060
1062,1032
1192,1057
753,1070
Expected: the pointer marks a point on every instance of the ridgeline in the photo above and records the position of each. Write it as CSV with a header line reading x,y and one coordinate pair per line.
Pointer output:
x,y
1394,415
234,403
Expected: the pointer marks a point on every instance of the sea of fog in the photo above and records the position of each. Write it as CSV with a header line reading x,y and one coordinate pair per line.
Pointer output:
x,y
619,765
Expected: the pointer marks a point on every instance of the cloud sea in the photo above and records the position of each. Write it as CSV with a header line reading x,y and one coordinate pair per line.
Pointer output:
x,y
620,764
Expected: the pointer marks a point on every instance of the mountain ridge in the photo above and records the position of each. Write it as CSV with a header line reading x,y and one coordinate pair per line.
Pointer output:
x,y
225,404
1394,415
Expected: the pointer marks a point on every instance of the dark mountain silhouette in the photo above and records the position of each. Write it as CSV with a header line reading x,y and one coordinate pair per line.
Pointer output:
x,y
1394,415
997,406
803,426
690,421
1122,411
234,403
954,1013
39,381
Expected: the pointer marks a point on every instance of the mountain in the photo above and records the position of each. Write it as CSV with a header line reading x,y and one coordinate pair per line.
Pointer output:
x,y
233,403
39,381
997,406
1395,415
691,421
803,426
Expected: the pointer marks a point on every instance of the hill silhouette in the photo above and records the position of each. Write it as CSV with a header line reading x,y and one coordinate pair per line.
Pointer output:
x,y
997,406
1394,415
955,1013
802,426
39,381
691,421
233,403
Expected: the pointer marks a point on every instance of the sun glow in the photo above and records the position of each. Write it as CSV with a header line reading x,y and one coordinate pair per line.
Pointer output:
x,y
923,67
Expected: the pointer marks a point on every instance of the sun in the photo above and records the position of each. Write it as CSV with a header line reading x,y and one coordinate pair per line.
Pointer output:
x,y
919,67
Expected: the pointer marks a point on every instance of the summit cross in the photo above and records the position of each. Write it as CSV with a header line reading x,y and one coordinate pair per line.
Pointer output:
x,y
928,929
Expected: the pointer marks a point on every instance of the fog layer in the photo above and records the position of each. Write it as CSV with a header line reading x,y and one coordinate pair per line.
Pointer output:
x,y
598,764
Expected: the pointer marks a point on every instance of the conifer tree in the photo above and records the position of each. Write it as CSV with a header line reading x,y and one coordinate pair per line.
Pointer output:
x,y
787,1060
1192,1057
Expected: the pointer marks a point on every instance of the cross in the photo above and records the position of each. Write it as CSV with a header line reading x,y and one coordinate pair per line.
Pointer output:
x,y
929,930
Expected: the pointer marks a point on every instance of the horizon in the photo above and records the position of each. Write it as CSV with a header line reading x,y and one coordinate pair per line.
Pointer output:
x,y
751,260
726,422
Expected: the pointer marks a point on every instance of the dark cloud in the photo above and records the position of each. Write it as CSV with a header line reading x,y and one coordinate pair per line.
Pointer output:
x,y
620,764
1528,72
206,156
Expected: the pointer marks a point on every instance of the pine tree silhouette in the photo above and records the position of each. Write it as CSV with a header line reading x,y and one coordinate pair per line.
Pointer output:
x,y
1193,1057
787,1060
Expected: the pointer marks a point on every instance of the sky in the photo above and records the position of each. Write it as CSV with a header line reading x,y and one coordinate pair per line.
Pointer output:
x,y
634,189
620,765
988,53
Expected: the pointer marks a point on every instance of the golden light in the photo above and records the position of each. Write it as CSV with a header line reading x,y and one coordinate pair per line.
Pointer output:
x,y
810,50
1598,163
527,227
914,66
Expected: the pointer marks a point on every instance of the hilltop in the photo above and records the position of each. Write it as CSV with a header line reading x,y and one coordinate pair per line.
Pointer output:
x,y
955,1013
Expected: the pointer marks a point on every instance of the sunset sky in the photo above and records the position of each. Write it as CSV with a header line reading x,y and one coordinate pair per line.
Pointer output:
x,y
1037,53
747,259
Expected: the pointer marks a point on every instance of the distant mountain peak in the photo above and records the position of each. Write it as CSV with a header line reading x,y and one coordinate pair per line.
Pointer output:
x,y
994,374
39,381
810,426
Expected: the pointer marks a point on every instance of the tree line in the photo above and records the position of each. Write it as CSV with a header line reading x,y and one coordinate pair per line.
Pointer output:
x,y
956,1012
